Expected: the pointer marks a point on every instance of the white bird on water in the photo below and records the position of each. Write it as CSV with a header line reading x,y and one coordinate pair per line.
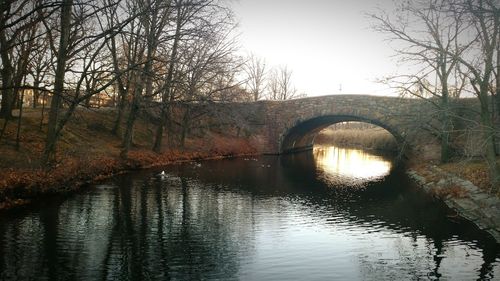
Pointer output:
x,y
162,174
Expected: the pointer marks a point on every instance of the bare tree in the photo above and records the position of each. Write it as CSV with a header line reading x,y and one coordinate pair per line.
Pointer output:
x,y
154,17
426,34
255,70
18,24
280,85
126,53
273,85
287,90
62,57
40,66
207,64
182,14
467,42
226,87
82,68
484,17
196,21
147,31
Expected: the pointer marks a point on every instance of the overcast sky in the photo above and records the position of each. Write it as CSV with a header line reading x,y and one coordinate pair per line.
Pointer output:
x,y
325,42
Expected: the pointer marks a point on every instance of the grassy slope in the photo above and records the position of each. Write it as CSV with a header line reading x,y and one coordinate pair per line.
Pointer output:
x,y
88,151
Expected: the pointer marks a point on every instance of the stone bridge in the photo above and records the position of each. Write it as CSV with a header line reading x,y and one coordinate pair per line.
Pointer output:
x,y
277,127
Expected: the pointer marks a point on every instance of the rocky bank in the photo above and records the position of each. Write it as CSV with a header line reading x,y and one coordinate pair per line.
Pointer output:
x,y
468,200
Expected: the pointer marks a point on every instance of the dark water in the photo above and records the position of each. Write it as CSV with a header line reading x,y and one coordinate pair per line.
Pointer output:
x,y
310,216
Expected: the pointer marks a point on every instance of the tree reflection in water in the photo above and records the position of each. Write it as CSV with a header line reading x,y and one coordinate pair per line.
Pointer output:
x,y
255,219
131,230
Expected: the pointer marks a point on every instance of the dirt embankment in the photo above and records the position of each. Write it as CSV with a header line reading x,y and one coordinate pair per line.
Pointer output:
x,y
87,151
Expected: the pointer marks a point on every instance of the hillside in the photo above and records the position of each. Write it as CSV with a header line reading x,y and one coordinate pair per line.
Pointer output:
x,y
88,151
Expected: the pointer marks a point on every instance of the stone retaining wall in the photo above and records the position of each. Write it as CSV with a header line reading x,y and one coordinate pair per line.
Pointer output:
x,y
470,202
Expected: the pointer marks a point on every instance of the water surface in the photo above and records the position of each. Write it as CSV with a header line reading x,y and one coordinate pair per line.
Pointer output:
x,y
329,214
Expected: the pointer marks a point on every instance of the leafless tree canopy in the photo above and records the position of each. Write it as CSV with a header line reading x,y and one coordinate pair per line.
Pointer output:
x,y
453,49
255,70
141,55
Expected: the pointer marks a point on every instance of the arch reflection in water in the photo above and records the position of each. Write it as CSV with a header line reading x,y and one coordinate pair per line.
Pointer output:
x,y
350,166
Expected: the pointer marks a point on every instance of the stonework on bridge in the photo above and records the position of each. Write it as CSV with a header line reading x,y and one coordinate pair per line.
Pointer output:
x,y
277,127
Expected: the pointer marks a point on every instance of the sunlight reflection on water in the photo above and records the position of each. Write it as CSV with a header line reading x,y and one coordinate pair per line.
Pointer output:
x,y
352,165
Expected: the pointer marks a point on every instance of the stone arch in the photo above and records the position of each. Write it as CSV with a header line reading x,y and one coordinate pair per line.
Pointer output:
x,y
301,136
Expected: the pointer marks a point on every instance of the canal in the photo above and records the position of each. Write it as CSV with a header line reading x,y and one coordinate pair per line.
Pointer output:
x,y
326,214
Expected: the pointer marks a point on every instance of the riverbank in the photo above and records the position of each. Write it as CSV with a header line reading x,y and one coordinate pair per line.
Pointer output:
x,y
467,199
88,152
19,187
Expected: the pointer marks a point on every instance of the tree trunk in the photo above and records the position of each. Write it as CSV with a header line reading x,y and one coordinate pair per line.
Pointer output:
x,y
488,132
488,135
135,106
445,136
18,133
119,116
497,81
52,135
129,129
170,127
185,125
7,93
36,94
168,95
121,90
137,94
159,135
496,98
7,69
446,122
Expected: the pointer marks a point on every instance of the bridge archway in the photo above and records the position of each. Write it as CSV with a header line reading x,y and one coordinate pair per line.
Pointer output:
x,y
302,135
